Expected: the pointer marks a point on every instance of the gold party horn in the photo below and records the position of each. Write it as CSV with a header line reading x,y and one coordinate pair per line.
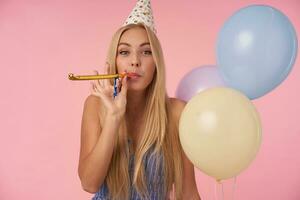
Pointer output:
x,y
96,77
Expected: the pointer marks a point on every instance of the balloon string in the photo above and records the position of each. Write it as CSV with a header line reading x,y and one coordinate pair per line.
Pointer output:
x,y
216,197
217,183
222,192
223,195
234,187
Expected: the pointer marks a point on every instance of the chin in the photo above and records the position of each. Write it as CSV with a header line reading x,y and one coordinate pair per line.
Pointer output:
x,y
137,87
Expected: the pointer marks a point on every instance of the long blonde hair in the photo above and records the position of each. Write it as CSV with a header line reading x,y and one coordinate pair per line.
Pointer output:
x,y
157,132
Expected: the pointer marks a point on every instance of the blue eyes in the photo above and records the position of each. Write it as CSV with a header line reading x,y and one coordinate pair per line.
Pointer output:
x,y
126,52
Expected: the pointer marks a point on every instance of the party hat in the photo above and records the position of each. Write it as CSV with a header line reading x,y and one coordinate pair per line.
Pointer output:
x,y
142,12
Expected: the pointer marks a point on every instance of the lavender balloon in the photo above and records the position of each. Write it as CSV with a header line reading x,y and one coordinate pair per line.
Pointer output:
x,y
197,80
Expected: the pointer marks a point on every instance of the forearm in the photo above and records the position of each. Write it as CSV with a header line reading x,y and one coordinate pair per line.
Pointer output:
x,y
95,166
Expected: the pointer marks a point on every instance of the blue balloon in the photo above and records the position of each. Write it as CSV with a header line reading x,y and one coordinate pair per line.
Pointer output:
x,y
256,50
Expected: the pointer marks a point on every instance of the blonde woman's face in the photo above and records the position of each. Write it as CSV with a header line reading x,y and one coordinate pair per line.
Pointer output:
x,y
134,54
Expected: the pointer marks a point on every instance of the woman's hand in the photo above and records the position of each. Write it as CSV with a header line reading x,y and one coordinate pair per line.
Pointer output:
x,y
104,90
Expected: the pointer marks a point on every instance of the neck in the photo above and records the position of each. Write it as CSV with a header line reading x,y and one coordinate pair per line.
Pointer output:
x,y
135,107
136,101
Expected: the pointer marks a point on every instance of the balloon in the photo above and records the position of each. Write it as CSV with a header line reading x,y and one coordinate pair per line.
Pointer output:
x,y
197,80
256,50
220,132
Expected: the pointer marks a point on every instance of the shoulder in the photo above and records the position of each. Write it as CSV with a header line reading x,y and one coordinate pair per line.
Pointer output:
x,y
177,102
93,109
92,105
92,100
176,106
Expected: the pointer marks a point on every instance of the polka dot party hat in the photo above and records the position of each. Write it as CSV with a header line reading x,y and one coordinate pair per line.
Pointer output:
x,y
142,12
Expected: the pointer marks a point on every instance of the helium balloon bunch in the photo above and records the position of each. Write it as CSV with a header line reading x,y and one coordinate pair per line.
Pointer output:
x,y
220,129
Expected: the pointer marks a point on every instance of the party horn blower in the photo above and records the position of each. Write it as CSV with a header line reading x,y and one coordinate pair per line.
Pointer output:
x,y
97,77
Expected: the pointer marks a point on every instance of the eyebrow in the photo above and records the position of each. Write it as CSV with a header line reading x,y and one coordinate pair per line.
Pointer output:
x,y
143,44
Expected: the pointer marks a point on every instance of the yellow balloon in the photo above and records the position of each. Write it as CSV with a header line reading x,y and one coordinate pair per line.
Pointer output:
x,y
220,132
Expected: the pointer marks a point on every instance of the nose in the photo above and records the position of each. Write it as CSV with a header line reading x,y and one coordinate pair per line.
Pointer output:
x,y
135,62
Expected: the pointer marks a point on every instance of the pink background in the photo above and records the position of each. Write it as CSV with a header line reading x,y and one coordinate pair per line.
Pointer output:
x,y
42,41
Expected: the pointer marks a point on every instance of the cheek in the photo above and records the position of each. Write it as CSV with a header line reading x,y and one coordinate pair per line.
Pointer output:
x,y
152,69
120,65
150,73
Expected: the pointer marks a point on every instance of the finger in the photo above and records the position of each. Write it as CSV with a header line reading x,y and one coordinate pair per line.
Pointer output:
x,y
92,90
120,84
98,82
107,82
107,66
96,91
95,72
93,87
97,88
124,87
97,94
101,83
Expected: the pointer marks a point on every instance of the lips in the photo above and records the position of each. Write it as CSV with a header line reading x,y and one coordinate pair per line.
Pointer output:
x,y
133,75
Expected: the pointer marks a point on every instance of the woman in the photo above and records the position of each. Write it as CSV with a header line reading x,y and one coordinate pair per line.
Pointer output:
x,y
130,146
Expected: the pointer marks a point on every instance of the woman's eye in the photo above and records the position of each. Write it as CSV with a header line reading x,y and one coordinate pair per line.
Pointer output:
x,y
126,52
148,52
122,52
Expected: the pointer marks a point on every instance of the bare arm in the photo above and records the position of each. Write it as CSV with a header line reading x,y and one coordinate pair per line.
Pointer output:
x,y
189,189
96,145
189,184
